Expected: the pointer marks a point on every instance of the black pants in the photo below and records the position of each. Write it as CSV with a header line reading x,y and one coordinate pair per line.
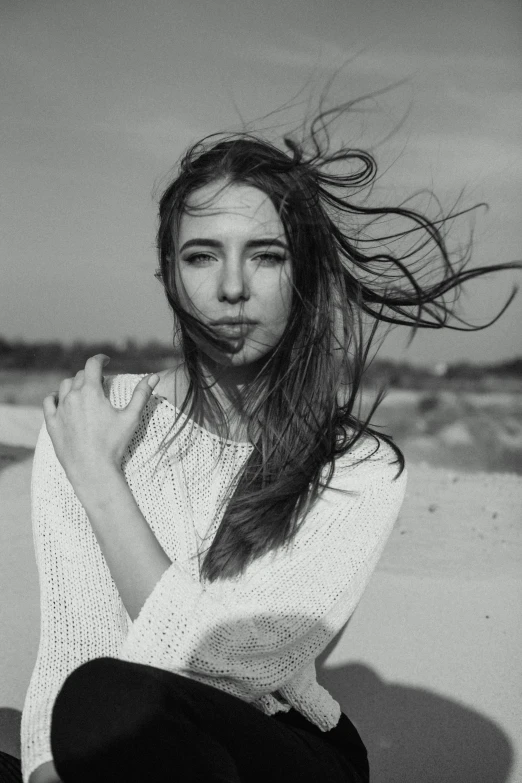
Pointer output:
x,y
114,720
10,769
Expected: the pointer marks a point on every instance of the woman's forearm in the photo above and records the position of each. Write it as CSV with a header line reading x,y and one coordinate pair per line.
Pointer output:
x,y
134,555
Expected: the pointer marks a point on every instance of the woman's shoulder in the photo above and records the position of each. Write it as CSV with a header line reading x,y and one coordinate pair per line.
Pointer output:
x,y
119,388
372,459
367,477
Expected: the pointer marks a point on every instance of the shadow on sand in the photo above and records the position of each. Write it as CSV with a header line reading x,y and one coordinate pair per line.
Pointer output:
x,y
10,720
414,735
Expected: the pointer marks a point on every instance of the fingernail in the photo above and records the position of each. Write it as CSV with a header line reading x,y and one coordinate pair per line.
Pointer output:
x,y
152,381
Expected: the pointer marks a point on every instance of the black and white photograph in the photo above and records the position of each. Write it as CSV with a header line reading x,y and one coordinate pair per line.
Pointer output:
x,y
261,391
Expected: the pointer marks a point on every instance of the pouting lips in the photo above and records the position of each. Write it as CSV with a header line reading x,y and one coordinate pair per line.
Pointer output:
x,y
232,330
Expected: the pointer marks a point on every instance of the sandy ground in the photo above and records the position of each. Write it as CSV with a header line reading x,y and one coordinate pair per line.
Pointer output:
x,y
429,667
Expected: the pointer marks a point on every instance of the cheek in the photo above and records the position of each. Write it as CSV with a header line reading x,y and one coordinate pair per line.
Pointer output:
x,y
283,296
192,289
277,311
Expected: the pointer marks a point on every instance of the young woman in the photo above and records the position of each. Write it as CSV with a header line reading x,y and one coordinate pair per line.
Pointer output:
x,y
202,534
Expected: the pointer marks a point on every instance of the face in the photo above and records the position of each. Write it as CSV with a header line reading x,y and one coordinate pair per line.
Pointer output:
x,y
232,264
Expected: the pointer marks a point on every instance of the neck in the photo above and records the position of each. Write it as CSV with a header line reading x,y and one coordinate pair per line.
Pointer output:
x,y
231,378
229,384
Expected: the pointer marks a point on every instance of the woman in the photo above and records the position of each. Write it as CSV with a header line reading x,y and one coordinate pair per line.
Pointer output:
x,y
202,534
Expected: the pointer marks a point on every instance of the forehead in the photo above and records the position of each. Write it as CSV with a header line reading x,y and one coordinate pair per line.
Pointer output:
x,y
222,208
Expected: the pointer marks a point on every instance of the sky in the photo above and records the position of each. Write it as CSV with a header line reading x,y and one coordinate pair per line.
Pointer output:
x,y
100,100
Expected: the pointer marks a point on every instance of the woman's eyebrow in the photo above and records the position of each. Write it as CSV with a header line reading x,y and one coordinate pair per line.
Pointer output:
x,y
252,243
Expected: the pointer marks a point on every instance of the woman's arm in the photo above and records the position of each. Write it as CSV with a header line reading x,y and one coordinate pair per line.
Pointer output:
x,y
252,635
134,555
90,437
81,613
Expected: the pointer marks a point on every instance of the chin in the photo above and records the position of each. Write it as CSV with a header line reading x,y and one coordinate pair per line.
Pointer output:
x,y
238,359
239,355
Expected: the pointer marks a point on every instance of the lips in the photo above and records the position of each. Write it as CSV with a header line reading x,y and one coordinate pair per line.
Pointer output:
x,y
232,329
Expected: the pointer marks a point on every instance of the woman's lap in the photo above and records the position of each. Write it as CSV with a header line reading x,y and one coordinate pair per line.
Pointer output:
x,y
118,718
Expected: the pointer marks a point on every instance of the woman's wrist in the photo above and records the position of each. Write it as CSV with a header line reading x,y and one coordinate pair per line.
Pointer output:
x,y
96,484
132,552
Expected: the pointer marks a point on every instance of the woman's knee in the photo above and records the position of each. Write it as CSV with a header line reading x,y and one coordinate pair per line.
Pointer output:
x,y
97,669
106,676
102,706
105,696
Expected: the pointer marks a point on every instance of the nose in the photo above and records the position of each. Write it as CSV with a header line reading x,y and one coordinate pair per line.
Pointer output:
x,y
233,285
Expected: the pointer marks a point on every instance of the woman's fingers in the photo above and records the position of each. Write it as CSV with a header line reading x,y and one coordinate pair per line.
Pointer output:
x,y
49,406
93,369
78,380
65,388
141,396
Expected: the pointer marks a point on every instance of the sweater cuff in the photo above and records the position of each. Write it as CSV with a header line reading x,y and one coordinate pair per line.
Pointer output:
x,y
164,618
33,762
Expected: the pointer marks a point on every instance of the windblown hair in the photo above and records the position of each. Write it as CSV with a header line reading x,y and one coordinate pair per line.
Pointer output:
x,y
304,403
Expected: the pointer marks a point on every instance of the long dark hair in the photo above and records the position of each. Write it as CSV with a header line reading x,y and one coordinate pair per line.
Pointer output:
x,y
347,280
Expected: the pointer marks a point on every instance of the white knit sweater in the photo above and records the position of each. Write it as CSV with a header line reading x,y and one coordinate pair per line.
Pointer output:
x,y
256,636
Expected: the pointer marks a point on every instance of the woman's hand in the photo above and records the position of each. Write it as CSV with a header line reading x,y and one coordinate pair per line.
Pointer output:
x,y
89,435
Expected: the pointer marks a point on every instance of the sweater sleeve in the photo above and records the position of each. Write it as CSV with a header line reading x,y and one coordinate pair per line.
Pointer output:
x,y
251,635
81,614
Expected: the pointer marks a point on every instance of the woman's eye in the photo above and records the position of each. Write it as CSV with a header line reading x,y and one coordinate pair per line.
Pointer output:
x,y
270,258
267,259
198,258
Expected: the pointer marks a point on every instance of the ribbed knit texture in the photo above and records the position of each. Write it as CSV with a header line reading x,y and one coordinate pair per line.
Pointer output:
x,y
255,636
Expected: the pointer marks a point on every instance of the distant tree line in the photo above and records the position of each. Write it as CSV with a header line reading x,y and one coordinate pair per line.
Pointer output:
x,y
55,355
132,357
407,376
